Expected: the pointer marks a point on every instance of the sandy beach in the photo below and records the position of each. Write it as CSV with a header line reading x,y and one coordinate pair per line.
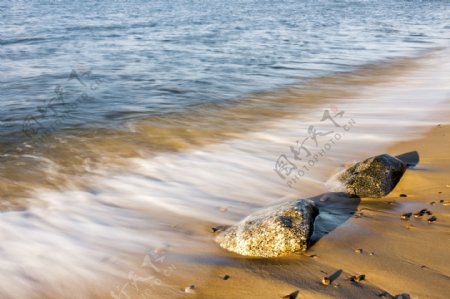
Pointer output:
x,y
354,237
197,149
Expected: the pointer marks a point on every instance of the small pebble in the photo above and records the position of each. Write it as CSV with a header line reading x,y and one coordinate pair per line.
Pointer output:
x,y
406,216
428,213
403,195
359,250
217,228
226,277
190,289
372,253
432,203
432,219
326,281
222,209
418,215
292,295
360,278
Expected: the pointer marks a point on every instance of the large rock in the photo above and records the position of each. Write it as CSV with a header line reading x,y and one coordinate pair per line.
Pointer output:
x,y
274,231
374,177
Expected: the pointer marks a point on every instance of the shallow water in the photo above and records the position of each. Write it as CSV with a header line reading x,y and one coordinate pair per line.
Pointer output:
x,y
189,108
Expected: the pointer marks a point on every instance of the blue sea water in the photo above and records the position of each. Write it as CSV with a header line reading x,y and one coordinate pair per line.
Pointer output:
x,y
143,58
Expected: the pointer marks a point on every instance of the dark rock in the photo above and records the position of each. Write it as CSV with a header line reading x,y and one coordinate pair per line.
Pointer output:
x,y
274,231
432,219
374,177
403,195
218,228
226,277
406,216
292,295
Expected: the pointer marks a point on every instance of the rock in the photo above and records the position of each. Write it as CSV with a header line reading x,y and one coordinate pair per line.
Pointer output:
x,y
358,278
217,228
432,219
374,177
226,277
190,289
292,295
403,195
274,231
326,281
406,216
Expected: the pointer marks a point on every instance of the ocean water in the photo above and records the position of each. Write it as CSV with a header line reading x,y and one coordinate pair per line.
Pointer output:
x,y
137,125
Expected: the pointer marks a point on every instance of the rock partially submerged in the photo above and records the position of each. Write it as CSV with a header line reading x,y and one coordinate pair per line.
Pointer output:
x,y
374,177
274,231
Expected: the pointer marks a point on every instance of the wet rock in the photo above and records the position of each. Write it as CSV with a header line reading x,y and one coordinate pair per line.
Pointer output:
x,y
274,231
374,177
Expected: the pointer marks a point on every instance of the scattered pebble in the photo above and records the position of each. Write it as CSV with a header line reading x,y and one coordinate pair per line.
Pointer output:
x,y
406,216
432,203
326,281
372,253
359,278
292,295
226,277
418,214
359,250
190,289
403,195
432,219
217,228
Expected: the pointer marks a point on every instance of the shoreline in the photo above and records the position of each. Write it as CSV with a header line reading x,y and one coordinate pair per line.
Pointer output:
x,y
159,207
